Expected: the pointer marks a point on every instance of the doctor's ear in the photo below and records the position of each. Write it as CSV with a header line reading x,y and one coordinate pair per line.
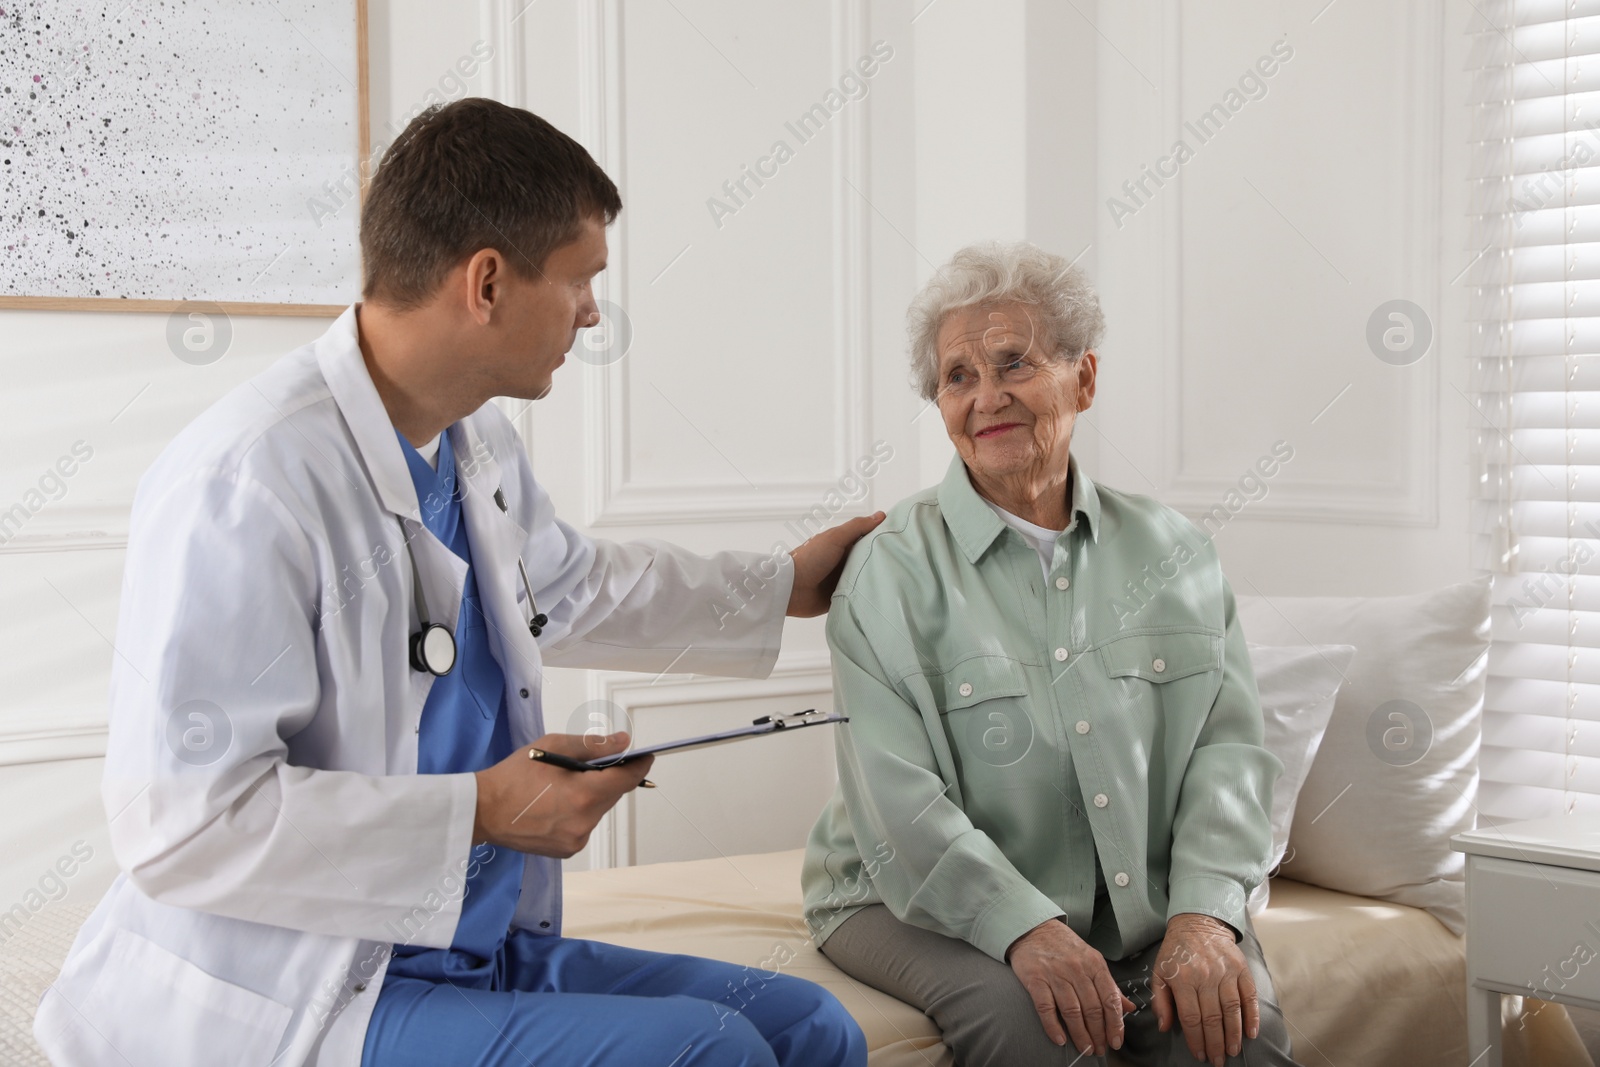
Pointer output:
x,y
485,283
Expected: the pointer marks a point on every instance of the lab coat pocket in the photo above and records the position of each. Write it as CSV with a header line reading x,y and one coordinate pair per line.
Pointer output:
x,y
159,1010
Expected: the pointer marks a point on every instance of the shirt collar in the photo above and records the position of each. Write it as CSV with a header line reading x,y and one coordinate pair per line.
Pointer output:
x,y
438,491
437,477
975,525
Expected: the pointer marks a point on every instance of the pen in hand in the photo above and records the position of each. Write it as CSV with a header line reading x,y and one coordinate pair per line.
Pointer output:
x,y
567,763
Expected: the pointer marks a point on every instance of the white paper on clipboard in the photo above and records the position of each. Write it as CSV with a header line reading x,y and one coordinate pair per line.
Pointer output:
x,y
762,727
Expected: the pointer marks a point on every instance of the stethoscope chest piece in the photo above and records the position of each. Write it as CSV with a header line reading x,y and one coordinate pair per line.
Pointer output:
x,y
433,649
433,646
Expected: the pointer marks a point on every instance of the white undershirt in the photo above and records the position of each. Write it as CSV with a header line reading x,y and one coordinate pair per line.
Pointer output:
x,y
430,452
1043,540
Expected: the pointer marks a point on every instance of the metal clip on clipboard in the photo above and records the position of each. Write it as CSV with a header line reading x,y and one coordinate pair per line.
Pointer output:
x,y
810,717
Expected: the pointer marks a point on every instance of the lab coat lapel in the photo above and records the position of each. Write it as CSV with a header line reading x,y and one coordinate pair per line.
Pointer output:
x,y
443,574
497,542
339,356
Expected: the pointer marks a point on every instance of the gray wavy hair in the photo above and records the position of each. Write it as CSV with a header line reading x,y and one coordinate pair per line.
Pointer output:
x,y
990,273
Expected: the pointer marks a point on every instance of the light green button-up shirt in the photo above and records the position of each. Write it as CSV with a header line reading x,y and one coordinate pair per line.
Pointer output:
x,y
1008,727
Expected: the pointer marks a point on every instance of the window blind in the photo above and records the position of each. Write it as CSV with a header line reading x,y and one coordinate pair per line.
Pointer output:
x,y
1534,274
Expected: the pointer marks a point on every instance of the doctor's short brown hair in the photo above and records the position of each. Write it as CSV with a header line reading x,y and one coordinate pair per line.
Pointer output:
x,y
471,175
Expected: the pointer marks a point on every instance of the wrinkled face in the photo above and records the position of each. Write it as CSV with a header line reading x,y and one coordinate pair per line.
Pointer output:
x,y
1009,403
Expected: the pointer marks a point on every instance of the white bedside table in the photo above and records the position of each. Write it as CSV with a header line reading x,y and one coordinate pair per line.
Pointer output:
x,y
1533,920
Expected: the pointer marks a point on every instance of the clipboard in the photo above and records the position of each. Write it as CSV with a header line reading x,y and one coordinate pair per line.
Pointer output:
x,y
762,727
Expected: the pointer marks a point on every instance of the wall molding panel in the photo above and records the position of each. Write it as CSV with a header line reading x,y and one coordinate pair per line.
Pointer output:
x,y
503,78
615,495
68,528
1406,494
801,675
23,743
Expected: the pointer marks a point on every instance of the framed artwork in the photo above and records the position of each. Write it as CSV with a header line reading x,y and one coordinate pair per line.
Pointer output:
x,y
154,156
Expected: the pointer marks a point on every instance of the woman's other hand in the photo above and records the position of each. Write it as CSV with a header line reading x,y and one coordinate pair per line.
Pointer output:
x,y
1070,983
1202,976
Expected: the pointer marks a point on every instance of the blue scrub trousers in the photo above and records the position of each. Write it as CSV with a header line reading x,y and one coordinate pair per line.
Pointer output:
x,y
566,1002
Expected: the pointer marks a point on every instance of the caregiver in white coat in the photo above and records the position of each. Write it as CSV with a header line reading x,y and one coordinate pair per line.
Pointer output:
x,y
275,837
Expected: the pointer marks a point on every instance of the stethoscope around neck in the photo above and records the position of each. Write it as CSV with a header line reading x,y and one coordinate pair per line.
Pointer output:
x,y
433,645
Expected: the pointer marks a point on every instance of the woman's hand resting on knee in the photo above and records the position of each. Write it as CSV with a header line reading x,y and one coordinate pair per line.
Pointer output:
x,y
1069,983
1203,977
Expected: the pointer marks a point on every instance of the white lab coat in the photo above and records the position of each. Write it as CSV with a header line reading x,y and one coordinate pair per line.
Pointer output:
x,y
267,870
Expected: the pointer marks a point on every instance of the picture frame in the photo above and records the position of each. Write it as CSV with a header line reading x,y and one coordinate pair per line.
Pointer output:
x,y
208,155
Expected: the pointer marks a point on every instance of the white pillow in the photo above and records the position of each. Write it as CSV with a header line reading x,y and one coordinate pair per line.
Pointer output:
x,y
1397,772
1298,684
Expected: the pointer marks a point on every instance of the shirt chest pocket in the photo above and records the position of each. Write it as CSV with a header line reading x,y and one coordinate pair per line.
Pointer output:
x,y
975,680
1162,657
986,711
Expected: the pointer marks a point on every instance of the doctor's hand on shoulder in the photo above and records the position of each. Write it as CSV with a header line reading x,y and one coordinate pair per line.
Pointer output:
x,y
531,806
819,562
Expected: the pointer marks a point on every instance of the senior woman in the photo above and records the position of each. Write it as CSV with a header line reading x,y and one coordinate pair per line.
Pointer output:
x,y
1053,796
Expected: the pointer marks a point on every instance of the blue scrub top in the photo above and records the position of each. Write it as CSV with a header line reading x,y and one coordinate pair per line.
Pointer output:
x,y
464,728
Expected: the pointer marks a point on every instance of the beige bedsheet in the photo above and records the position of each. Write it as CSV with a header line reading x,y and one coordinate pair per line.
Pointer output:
x,y
1363,983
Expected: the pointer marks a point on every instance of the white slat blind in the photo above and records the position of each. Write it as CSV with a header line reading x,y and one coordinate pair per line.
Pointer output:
x,y
1536,379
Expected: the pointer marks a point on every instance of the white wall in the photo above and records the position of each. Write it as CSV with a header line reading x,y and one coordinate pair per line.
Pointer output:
x,y
1239,293
763,366
768,350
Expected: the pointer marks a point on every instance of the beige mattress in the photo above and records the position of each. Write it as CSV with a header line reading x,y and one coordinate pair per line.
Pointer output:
x,y
1363,983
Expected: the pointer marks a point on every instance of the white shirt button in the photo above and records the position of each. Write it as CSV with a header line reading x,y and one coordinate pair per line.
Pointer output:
x,y
1121,878
1063,582
1101,800
1083,726
1061,654
966,689
1159,665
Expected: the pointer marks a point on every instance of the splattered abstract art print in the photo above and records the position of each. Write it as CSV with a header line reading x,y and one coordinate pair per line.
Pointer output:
x,y
181,150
